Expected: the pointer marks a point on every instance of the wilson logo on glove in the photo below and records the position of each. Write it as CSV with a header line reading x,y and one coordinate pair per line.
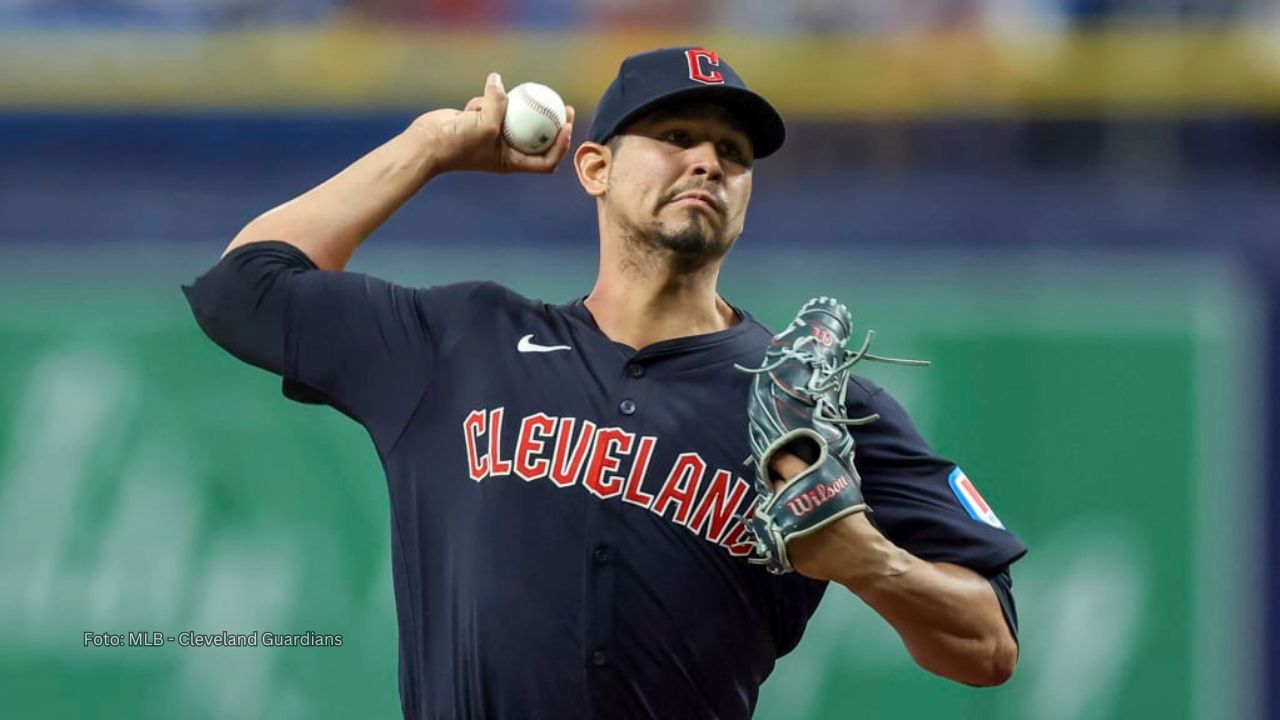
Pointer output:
x,y
818,496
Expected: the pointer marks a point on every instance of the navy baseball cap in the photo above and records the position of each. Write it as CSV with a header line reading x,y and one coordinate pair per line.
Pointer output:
x,y
684,73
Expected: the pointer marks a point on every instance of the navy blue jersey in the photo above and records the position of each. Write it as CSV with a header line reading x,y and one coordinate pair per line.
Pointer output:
x,y
564,522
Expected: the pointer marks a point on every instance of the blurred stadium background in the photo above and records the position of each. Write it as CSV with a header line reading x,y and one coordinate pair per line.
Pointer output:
x,y
1071,206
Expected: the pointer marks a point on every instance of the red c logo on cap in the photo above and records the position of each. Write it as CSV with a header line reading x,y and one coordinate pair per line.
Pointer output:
x,y
696,56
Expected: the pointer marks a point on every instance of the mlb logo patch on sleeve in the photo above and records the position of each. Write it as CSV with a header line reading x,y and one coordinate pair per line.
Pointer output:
x,y
971,499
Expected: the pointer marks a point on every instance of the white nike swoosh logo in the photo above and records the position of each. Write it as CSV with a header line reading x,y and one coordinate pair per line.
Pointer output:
x,y
526,345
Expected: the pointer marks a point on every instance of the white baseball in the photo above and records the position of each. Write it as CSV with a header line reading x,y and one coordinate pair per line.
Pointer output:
x,y
535,114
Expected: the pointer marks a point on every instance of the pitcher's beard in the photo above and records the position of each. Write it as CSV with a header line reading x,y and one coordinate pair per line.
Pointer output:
x,y
691,246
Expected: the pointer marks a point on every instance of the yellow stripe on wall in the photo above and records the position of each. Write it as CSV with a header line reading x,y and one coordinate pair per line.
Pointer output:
x,y
368,67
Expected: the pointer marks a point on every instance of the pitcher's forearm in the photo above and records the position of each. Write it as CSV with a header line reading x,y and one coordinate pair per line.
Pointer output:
x,y
330,221
947,616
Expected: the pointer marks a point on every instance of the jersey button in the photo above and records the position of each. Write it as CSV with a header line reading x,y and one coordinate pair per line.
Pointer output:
x,y
599,658
601,555
635,371
628,406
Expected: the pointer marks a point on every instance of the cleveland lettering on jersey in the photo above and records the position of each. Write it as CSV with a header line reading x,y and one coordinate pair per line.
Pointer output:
x,y
611,462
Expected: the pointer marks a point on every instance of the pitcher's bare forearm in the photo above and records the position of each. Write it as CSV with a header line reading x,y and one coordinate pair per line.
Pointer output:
x,y
330,221
948,616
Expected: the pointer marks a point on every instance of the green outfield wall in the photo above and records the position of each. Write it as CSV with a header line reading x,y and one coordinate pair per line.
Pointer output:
x,y
151,483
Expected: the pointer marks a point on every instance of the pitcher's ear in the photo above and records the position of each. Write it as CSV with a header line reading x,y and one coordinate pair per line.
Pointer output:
x,y
591,161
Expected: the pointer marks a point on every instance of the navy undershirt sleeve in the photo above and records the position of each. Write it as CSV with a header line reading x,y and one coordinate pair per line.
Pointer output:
x,y
1002,583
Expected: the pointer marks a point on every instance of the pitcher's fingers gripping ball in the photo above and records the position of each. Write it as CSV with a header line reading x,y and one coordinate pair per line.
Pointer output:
x,y
797,405
535,114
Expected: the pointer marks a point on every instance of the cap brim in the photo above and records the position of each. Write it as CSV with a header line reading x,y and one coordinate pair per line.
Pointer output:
x,y
762,122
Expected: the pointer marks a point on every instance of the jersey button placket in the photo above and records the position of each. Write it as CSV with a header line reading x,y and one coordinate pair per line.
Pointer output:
x,y
631,387
603,556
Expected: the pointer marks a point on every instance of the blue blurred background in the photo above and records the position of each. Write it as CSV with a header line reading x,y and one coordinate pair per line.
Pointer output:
x,y
1072,207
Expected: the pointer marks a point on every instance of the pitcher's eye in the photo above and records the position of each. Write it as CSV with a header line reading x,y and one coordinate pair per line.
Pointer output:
x,y
679,138
732,151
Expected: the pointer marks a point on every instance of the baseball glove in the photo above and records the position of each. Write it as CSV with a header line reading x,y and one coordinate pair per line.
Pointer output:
x,y
797,405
